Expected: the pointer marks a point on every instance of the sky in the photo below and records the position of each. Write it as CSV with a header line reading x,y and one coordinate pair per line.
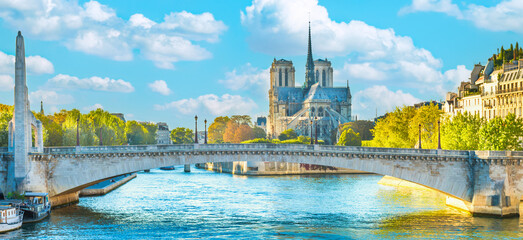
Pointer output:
x,y
167,61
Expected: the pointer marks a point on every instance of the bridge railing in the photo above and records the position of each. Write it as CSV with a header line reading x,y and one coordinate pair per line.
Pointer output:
x,y
253,147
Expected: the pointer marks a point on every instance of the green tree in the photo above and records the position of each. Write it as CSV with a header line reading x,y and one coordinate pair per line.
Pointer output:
x,y
461,132
110,128
349,138
502,134
393,130
135,132
287,134
217,129
86,128
150,134
259,132
182,135
362,127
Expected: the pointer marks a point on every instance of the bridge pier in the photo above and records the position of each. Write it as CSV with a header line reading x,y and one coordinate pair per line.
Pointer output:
x,y
187,168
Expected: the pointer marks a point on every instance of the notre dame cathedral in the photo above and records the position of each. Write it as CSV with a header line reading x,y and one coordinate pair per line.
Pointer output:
x,y
316,103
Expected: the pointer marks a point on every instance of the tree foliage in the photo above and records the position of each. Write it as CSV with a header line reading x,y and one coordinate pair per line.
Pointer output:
x,y
182,135
217,129
349,138
287,134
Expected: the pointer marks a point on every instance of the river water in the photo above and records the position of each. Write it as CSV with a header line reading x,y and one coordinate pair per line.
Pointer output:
x,y
203,204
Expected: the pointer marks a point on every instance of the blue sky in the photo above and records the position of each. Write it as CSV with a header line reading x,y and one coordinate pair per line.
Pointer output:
x,y
169,60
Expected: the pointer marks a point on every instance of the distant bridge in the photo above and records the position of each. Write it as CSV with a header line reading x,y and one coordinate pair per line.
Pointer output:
x,y
482,182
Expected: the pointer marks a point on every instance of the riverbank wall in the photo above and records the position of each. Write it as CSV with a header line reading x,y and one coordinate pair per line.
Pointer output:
x,y
273,168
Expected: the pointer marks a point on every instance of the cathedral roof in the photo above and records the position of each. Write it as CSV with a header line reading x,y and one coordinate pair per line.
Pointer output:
x,y
317,93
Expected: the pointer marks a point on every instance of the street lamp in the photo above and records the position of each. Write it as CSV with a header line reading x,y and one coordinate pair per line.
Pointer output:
x,y
439,136
205,121
311,133
100,131
77,132
196,129
316,136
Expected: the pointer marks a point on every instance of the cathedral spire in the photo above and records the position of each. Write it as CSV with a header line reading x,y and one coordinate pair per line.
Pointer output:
x,y
309,66
42,107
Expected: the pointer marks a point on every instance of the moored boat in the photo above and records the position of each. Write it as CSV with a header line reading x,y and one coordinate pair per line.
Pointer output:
x,y
167,168
36,206
11,217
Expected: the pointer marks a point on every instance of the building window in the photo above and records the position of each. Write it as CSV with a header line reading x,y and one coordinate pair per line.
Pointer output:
x,y
324,83
320,112
317,75
312,111
286,77
280,77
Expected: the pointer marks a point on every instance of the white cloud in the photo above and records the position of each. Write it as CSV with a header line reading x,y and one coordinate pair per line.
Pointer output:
x,y
364,70
225,105
163,50
160,86
139,20
379,97
93,83
108,44
247,77
6,83
442,6
98,12
39,65
95,29
200,26
505,16
50,97
93,107
34,64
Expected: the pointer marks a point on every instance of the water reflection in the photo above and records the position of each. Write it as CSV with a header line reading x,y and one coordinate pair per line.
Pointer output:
x,y
202,204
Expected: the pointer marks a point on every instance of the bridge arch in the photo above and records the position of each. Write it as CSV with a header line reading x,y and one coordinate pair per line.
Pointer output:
x,y
71,169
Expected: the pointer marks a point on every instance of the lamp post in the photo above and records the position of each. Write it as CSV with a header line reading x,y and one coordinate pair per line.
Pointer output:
x,y
205,122
100,132
196,129
77,132
419,136
316,126
439,136
311,134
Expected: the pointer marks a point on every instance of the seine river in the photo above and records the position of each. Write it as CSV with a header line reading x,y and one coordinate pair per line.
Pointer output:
x,y
202,204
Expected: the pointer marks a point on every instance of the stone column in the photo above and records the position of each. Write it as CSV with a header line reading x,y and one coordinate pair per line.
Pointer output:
x,y
22,129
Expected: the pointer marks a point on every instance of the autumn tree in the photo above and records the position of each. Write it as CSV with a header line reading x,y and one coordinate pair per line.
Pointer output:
x,y
217,129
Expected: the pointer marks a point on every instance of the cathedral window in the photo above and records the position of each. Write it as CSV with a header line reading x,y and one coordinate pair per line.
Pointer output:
x,y
312,111
323,78
280,78
286,77
320,111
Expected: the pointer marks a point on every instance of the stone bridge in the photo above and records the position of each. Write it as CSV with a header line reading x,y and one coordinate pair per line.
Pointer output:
x,y
482,182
